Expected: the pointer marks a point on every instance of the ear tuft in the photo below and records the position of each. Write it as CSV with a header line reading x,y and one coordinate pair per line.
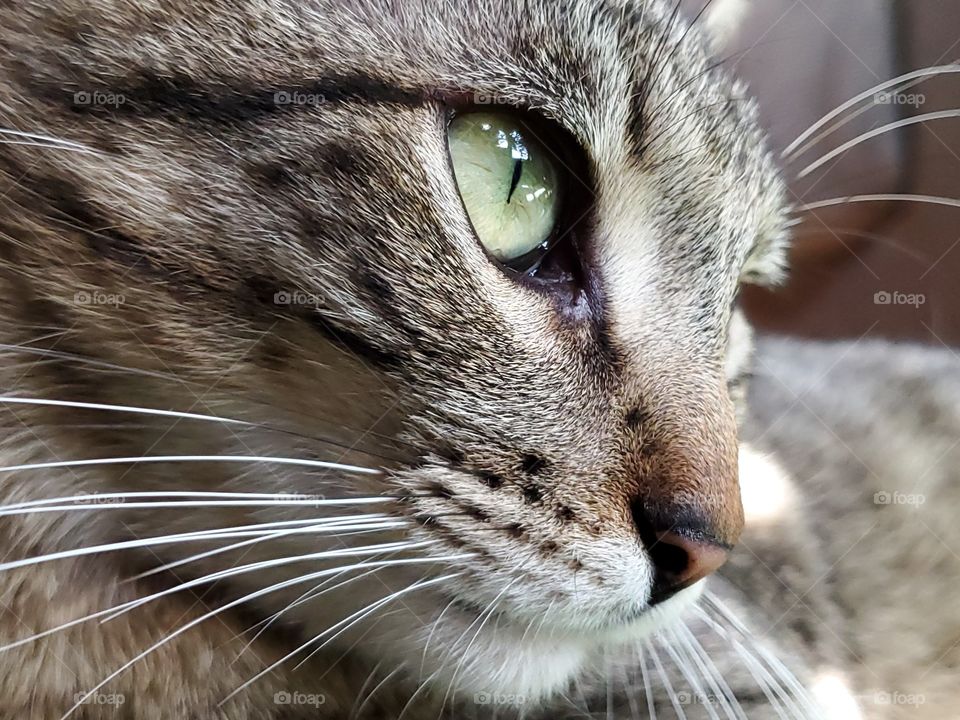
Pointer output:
x,y
723,20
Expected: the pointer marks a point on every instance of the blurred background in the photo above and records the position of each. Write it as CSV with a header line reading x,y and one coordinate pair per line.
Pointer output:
x,y
868,269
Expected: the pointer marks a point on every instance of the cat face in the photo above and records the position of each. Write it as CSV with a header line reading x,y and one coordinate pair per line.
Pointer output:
x,y
265,190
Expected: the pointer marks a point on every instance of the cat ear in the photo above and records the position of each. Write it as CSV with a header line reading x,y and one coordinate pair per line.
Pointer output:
x,y
723,20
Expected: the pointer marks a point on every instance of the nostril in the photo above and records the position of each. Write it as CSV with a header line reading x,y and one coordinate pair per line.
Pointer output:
x,y
670,560
681,556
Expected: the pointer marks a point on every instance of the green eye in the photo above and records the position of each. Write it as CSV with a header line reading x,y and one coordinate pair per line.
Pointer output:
x,y
509,183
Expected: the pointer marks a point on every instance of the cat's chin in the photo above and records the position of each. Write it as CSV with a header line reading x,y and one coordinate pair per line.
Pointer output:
x,y
502,662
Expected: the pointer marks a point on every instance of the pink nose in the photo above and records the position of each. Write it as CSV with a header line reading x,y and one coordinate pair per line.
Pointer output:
x,y
680,561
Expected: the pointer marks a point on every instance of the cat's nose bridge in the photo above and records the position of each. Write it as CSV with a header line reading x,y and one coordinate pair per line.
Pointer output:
x,y
685,469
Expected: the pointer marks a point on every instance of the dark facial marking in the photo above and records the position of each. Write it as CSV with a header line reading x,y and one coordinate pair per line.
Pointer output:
x,y
387,360
492,481
227,102
532,464
515,530
532,494
636,418
548,548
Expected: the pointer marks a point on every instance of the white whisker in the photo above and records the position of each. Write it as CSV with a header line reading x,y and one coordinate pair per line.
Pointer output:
x,y
799,695
850,117
361,551
849,145
49,146
647,685
711,672
800,692
357,710
187,504
278,586
193,623
668,686
925,72
749,662
267,529
123,408
175,413
311,594
193,458
279,498
45,138
344,625
695,685
337,529
894,197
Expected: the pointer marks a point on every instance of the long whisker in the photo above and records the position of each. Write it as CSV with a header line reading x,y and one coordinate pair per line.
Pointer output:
x,y
800,695
482,619
850,117
711,672
186,504
357,710
316,591
277,498
688,674
267,529
193,623
894,197
344,625
416,693
194,458
338,529
45,138
48,146
772,660
884,240
365,550
183,415
906,122
674,700
279,586
925,72
122,408
647,685
749,662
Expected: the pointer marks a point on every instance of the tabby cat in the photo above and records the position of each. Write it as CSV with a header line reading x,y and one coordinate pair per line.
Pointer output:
x,y
380,360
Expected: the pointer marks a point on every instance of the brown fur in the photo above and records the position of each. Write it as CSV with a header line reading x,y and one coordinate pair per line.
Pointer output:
x,y
199,202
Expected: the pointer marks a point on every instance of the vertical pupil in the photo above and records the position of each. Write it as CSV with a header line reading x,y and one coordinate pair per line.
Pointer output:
x,y
515,180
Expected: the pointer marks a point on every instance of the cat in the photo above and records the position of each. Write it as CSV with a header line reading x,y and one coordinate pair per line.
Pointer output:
x,y
382,360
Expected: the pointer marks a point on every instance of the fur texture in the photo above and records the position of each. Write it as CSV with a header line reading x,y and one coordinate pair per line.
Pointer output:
x,y
259,222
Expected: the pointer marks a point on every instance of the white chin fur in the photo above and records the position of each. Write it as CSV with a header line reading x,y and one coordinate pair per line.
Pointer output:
x,y
527,667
